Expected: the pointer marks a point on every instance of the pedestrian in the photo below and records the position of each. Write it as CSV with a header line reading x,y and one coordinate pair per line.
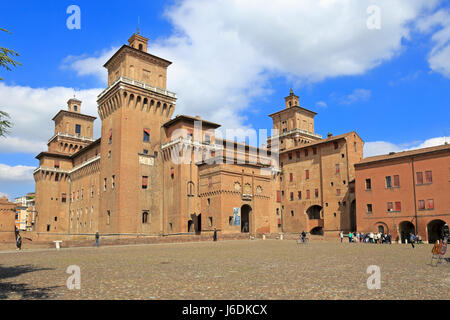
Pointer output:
x,y
350,235
371,237
19,242
445,233
342,236
97,238
412,239
303,235
389,238
215,235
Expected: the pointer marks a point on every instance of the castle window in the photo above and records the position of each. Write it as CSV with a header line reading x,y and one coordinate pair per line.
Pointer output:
x,y
316,193
292,196
78,129
63,197
110,136
172,173
314,150
307,174
146,135
336,145
299,195
56,165
145,151
75,108
104,184
291,177
140,46
108,217
338,192
207,139
145,217
144,182
56,177
210,220
307,194
430,204
113,181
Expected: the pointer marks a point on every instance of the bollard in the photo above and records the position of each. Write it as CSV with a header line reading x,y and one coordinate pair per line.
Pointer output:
x,y
281,237
264,237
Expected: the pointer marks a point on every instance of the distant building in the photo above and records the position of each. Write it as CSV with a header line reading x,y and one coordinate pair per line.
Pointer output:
x,y
405,192
25,212
7,224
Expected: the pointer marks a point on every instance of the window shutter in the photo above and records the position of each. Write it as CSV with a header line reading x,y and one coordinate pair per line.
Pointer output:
x,y
419,179
421,204
307,194
307,174
430,204
398,206
389,206
396,181
428,177
278,196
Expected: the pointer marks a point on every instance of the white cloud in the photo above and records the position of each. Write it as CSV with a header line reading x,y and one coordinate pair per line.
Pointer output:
x,y
321,104
382,147
31,111
16,174
358,95
224,52
85,65
4,195
439,57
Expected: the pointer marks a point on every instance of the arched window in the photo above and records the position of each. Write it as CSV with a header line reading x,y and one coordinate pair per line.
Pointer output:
x,y
140,46
145,217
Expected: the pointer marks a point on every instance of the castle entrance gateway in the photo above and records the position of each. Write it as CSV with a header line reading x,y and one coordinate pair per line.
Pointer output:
x,y
245,218
405,228
434,230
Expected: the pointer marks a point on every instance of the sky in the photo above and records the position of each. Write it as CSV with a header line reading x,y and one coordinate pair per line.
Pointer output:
x,y
377,67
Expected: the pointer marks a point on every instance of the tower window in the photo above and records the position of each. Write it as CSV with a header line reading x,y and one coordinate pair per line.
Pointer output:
x,y
146,135
75,108
145,217
140,46
78,129
144,182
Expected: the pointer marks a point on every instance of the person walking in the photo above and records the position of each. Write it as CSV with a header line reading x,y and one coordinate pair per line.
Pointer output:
x,y
342,236
412,239
97,239
303,235
350,235
215,235
19,242
371,237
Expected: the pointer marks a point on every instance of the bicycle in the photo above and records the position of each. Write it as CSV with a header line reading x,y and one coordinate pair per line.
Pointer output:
x,y
302,241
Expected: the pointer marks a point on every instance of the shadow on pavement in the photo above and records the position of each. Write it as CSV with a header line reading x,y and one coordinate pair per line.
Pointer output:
x,y
21,290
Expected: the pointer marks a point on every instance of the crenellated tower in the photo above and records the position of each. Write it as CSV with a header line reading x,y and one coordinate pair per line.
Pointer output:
x,y
133,109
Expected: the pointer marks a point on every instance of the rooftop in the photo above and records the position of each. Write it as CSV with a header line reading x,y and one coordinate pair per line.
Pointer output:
x,y
403,154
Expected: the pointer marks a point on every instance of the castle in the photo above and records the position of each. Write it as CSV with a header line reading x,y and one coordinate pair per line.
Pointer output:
x,y
151,174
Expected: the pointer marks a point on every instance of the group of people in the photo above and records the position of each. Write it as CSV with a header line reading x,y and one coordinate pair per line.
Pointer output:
x,y
367,237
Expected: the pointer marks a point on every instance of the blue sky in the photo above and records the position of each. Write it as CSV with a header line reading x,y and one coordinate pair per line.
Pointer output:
x,y
234,63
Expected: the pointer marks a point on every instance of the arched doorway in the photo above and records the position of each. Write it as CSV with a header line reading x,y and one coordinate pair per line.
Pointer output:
x,y
317,231
313,212
353,216
434,229
405,228
245,218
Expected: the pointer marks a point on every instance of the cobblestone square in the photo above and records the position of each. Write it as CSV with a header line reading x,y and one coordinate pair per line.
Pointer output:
x,y
258,269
